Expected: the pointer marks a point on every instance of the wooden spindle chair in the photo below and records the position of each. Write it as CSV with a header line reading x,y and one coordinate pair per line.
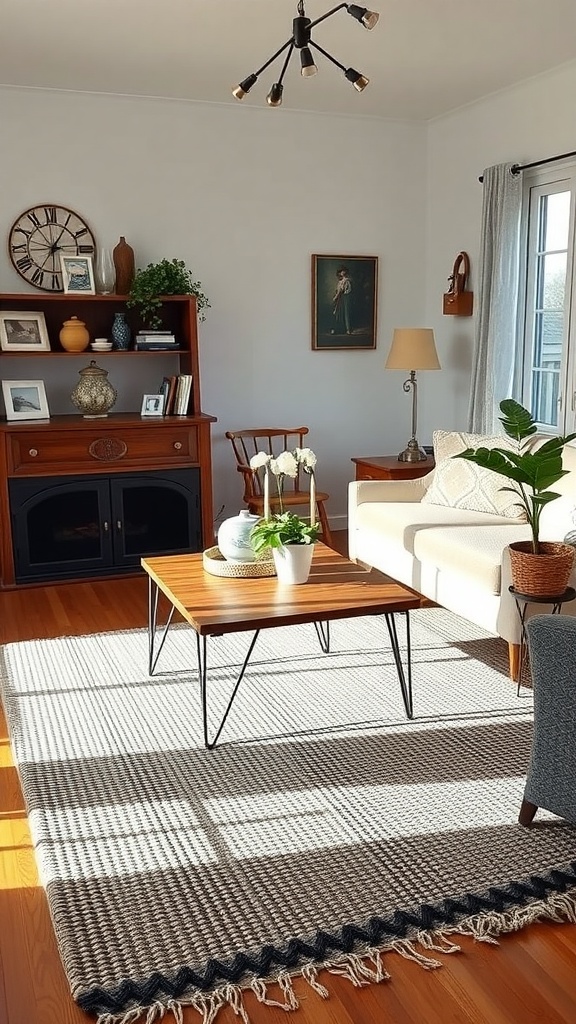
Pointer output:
x,y
273,441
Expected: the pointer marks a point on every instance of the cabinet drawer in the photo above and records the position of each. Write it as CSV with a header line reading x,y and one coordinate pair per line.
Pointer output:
x,y
91,450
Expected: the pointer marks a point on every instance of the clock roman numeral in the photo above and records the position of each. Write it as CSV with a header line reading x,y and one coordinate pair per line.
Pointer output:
x,y
24,263
50,212
32,216
83,231
38,277
56,282
19,248
23,232
85,248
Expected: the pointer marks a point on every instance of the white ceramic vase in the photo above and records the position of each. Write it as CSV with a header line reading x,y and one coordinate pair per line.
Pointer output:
x,y
293,562
234,537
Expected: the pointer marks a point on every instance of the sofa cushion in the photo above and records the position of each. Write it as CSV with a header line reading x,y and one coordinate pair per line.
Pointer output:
x,y
461,484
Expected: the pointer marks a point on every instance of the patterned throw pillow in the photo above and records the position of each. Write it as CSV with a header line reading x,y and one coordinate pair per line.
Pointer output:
x,y
460,484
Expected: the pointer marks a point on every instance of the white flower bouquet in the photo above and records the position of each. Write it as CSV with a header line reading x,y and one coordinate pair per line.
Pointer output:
x,y
278,529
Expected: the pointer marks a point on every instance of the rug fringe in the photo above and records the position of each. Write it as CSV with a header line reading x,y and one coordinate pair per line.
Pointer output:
x,y
361,969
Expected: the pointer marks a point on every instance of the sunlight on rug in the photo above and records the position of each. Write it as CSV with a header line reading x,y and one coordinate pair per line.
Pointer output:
x,y
324,826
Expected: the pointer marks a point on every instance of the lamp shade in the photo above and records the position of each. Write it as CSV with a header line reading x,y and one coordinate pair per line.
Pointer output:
x,y
413,348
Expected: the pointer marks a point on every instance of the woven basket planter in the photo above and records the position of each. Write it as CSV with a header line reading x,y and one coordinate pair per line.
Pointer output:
x,y
543,575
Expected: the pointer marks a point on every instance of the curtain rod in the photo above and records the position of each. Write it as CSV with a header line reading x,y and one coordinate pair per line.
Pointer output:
x,y
516,168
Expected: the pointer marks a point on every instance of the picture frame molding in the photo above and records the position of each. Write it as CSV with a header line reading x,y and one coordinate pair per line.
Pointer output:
x,y
66,276
361,340
7,346
8,386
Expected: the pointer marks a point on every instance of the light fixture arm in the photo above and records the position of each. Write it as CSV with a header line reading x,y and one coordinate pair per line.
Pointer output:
x,y
286,62
289,42
326,54
327,15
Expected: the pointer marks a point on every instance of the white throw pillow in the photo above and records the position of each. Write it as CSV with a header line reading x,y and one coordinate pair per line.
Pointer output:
x,y
458,483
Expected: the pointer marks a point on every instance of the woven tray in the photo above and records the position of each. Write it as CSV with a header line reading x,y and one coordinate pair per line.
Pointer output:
x,y
214,562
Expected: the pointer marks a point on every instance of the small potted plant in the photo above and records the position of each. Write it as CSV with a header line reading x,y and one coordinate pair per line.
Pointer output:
x,y
290,537
539,568
168,277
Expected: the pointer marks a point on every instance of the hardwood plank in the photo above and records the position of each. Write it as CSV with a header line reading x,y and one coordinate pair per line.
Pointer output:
x,y
529,977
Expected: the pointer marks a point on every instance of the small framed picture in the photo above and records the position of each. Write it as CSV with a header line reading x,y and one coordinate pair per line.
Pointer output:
x,y
344,302
152,405
78,275
25,400
23,332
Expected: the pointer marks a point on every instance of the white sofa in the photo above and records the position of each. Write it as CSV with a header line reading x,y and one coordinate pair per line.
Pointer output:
x,y
454,557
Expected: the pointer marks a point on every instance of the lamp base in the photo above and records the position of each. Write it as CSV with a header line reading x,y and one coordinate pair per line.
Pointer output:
x,y
412,452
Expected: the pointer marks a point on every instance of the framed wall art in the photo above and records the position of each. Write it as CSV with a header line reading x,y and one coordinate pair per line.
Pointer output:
x,y
78,275
23,332
25,400
344,301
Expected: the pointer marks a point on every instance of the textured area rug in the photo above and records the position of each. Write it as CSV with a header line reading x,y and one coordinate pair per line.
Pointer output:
x,y
323,828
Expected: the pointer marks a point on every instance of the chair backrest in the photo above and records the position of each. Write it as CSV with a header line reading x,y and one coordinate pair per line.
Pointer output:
x,y
273,441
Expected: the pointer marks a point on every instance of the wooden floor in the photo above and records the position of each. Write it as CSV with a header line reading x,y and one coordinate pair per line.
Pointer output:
x,y
529,977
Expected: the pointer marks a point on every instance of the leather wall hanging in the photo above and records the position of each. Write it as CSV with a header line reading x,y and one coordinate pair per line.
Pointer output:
x,y
457,301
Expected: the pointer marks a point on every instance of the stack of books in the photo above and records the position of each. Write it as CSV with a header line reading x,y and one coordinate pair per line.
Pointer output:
x,y
178,398
155,341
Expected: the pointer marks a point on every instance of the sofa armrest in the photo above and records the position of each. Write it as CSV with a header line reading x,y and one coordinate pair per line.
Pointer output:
x,y
360,491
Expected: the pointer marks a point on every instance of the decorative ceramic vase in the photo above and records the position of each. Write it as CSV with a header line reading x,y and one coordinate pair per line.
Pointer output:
x,y
120,332
94,394
104,272
293,562
234,537
74,337
123,256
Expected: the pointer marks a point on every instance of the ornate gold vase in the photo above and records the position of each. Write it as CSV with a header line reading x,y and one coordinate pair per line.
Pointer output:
x,y
94,395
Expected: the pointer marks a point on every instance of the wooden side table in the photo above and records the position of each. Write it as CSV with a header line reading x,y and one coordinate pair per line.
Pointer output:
x,y
388,467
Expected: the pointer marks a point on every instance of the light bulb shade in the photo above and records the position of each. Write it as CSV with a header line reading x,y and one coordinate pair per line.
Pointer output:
x,y
274,97
413,348
240,91
307,61
358,81
368,18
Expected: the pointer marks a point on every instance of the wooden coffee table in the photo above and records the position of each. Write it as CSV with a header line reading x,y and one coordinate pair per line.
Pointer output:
x,y
214,605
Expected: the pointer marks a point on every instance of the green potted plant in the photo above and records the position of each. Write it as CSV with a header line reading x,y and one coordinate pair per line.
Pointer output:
x,y
290,537
168,277
541,566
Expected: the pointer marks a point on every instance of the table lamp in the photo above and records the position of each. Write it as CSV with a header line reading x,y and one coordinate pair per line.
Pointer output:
x,y
412,349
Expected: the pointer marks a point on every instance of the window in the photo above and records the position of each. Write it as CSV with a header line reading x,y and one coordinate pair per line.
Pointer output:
x,y
549,335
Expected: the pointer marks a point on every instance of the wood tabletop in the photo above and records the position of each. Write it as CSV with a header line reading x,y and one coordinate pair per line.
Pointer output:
x,y
336,589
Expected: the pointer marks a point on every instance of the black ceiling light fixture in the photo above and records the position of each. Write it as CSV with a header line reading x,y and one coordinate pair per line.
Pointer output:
x,y
300,40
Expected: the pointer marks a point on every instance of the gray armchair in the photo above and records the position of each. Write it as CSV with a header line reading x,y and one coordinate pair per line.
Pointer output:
x,y
551,781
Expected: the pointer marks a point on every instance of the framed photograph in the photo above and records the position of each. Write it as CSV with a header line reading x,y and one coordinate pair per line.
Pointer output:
x,y
78,275
344,300
152,405
25,400
23,332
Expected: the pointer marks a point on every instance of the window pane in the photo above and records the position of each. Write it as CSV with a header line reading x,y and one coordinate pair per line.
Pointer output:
x,y
555,213
552,281
545,389
548,334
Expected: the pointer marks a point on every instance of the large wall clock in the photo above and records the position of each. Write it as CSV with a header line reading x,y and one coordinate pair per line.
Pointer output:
x,y
40,235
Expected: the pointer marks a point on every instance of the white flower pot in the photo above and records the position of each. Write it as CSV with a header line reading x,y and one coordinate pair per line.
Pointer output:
x,y
293,562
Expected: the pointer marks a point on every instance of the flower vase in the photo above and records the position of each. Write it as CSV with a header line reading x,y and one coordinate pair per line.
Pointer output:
x,y
104,272
234,537
293,562
120,332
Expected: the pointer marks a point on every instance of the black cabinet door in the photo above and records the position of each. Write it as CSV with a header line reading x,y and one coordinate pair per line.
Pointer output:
x,y
155,513
61,528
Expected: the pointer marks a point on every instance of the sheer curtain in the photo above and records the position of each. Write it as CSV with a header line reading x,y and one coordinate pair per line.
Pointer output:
x,y
495,374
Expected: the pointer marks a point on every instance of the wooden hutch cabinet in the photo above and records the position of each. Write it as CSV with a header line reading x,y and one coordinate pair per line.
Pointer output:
x,y
82,498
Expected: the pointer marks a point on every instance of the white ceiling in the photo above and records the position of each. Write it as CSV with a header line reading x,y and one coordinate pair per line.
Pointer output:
x,y
424,58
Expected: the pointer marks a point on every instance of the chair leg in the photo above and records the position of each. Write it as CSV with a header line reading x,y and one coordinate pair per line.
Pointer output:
x,y
514,660
527,812
326,535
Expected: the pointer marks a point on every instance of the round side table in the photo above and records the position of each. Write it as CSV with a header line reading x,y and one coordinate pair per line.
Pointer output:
x,y
522,602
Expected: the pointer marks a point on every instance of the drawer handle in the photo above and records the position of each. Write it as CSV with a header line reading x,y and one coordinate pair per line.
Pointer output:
x,y
33,452
177,445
